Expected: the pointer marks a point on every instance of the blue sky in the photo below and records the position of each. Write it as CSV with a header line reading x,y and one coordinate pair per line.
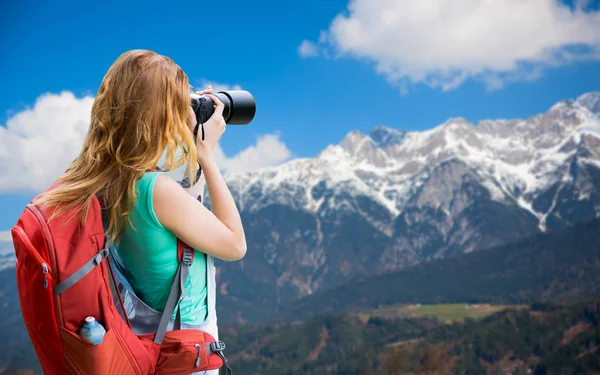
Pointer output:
x,y
365,71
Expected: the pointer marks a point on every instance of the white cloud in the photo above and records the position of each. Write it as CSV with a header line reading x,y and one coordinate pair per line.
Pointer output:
x,y
202,84
39,143
268,151
443,43
308,49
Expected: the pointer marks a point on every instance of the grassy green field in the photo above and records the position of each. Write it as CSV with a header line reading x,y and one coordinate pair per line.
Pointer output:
x,y
444,312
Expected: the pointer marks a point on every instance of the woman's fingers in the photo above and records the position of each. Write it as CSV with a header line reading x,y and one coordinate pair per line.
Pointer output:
x,y
207,90
219,106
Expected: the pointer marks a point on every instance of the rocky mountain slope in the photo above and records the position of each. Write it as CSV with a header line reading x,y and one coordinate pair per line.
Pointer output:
x,y
561,264
389,199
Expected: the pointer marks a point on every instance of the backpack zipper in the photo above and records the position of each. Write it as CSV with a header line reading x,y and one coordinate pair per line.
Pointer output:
x,y
50,246
45,271
199,347
34,253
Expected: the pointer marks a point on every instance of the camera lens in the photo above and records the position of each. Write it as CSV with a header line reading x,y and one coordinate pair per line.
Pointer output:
x,y
240,106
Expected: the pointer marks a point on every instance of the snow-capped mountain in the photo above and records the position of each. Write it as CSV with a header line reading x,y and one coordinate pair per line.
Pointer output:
x,y
516,160
7,255
391,198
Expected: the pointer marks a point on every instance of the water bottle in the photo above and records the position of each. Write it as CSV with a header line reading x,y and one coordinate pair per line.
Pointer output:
x,y
92,331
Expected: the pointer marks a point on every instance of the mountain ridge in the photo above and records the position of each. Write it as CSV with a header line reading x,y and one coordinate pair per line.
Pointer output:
x,y
369,163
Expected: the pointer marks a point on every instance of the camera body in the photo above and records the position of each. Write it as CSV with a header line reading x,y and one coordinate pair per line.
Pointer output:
x,y
240,106
240,109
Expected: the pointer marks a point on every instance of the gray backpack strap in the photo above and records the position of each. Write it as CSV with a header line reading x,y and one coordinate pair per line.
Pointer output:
x,y
177,292
225,369
115,289
174,296
84,270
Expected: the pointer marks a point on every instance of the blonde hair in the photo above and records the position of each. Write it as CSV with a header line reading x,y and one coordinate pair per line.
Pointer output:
x,y
140,110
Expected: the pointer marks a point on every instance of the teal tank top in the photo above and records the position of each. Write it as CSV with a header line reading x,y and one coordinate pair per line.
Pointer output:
x,y
149,254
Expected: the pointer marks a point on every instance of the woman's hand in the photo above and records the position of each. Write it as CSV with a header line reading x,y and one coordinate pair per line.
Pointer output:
x,y
213,128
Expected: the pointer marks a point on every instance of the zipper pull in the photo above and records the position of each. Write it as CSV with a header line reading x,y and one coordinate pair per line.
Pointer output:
x,y
198,359
45,271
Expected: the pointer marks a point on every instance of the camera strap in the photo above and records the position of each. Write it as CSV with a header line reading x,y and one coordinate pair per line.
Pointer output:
x,y
196,130
200,117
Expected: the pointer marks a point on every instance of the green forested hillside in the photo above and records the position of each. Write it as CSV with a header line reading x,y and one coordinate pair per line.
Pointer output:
x,y
545,338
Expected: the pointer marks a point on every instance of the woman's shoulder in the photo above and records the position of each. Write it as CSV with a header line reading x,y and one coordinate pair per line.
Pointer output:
x,y
150,178
153,188
145,183
163,184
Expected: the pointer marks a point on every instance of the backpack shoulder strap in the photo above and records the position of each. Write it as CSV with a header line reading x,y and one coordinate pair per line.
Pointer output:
x,y
177,291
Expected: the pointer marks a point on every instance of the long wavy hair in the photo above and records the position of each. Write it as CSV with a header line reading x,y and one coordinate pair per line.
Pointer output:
x,y
141,110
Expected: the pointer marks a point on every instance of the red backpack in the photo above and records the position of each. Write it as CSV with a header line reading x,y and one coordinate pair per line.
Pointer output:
x,y
64,274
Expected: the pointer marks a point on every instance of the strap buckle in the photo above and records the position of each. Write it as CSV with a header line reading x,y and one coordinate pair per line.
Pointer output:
x,y
217,346
187,257
100,256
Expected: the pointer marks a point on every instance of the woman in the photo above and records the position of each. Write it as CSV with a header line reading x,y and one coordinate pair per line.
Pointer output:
x,y
142,110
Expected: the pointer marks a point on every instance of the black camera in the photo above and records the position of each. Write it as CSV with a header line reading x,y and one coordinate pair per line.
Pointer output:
x,y
240,107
